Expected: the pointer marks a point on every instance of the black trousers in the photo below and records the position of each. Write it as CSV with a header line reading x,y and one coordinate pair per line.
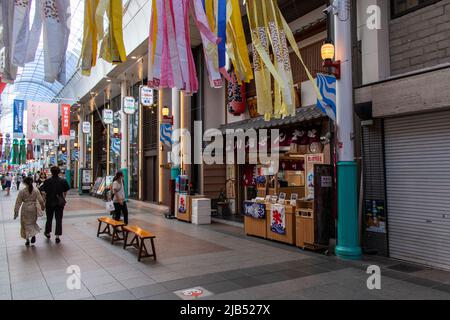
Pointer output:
x,y
57,212
121,209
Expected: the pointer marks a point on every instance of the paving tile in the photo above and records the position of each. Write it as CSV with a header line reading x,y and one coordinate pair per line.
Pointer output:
x,y
163,296
221,287
137,282
147,291
273,277
73,295
247,282
422,282
106,288
119,295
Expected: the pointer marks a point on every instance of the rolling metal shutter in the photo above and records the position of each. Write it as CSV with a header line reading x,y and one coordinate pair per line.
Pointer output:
x,y
417,150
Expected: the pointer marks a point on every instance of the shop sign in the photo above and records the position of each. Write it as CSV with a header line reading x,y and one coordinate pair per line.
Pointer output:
x,y
56,143
65,119
108,116
129,105
62,140
375,216
46,148
72,134
146,96
86,127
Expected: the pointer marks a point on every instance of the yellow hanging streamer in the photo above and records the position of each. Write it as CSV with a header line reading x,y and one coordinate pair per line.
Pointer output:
x,y
236,42
89,47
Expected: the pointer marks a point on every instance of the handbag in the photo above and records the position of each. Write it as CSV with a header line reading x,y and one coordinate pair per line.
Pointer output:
x,y
110,206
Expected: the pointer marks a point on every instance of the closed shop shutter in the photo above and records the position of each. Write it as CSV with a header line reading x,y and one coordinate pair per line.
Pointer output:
x,y
417,150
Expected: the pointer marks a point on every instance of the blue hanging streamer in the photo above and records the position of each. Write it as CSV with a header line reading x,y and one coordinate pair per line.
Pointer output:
x,y
222,31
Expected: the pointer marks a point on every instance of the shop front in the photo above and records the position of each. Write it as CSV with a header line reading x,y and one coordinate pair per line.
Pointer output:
x,y
289,200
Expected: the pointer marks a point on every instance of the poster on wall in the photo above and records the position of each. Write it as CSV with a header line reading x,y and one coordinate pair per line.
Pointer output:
x,y
278,218
146,94
375,216
182,204
18,110
65,120
42,120
311,160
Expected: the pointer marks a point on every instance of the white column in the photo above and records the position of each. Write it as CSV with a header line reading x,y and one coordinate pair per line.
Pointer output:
x,y
123,129
344,89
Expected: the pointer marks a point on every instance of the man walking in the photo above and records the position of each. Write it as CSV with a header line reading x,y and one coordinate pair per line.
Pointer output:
x,y
55,191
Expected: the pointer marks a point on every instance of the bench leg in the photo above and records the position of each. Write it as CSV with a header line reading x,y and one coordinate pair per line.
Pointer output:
x,y
153,249
140,249
99,227
125,239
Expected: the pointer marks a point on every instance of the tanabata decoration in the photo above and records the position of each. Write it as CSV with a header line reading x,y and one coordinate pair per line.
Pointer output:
x,y
112,48
1,145
236,96
15,152
171,62
21,42
7,153
22,152
30,150
270,29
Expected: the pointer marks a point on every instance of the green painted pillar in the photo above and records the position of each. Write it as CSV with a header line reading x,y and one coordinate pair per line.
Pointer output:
x,y
125,182
80,189
69,177
347,221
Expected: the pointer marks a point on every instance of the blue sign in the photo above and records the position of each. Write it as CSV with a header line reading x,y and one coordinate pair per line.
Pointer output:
x,y
115,146
18,110
327,88
166,134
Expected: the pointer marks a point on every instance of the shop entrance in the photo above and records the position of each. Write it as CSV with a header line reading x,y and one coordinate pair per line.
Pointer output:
x,y
150,179
417,150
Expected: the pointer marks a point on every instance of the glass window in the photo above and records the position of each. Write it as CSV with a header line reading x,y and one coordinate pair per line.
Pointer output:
x,y
402,7
115,142
133,131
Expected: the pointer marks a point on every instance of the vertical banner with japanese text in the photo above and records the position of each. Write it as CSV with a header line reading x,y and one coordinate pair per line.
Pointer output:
x,y
18,110
65,120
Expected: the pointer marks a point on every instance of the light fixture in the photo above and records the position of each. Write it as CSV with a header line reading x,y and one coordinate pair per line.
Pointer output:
x,y
108,80
133,57
165,111
116,130
63,149
75,144
328,53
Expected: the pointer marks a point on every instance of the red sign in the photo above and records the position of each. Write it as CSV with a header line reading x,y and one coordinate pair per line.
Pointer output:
x,y
65,120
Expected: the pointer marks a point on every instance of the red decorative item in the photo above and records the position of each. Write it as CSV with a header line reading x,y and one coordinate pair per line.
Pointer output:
x,y
236,96
30,154
2,86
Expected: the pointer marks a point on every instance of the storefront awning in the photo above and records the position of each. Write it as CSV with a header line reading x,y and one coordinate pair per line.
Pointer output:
x,y
303,114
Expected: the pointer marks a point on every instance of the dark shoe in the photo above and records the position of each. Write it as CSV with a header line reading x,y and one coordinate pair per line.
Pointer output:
x,y
47,235
27,243
33,240
57,240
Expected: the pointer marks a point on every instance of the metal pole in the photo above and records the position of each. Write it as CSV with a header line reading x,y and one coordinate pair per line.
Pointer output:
x,y
348,233
124,140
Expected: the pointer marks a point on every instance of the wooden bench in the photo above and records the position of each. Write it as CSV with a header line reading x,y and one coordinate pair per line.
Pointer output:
x,y
138,241
117,232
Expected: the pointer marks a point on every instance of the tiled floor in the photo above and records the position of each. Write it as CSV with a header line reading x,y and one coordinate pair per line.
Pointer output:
x,y
218,258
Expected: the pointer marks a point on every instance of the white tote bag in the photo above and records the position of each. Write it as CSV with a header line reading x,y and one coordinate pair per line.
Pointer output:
x,y
110,206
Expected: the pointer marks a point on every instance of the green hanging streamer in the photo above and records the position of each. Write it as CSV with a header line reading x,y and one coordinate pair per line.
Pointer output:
x,y
23,152
15,152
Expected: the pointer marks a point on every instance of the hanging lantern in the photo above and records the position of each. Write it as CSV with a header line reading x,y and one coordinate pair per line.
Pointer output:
x,y
236,96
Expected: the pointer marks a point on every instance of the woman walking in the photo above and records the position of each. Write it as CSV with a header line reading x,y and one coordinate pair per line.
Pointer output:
x,y
28,199
119,198
8,184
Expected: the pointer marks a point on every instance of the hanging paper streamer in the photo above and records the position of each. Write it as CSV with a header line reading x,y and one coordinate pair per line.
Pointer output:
x,y
7,153
115,146
22,152
236,96
1,145
166,134
236,42
15,152
30,153
89,47
269,28
10,70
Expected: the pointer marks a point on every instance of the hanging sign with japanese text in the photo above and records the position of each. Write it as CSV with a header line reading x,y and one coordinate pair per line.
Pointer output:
x,y
65,120
19,107
129,105
108,116
42,120
146,96
86,127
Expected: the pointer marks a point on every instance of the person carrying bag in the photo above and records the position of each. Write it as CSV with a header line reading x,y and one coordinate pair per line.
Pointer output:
x,y
120,204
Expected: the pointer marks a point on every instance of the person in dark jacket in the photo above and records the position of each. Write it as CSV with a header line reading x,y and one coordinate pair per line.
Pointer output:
x,y
55,192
